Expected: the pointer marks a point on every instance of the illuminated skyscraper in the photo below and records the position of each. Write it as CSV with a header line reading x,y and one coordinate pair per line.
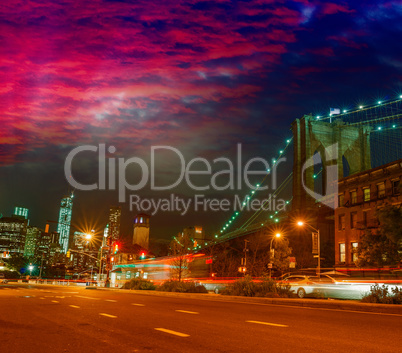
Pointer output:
x,y
105,235
21,211
63,227
31,240
114,222
13,231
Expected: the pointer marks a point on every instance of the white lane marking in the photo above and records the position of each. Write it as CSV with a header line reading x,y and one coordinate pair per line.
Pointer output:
x,y
137,304
172,332
111,300
59,296
266,323
55,301
81,296
300,307
74,306
187,312
108,315
70,292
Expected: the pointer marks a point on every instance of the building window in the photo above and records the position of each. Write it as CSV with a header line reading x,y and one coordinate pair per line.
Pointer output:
x,y
353,197
366,194
342,222
395,187
353,220
364,219
381,190
340,200
354,247
342,252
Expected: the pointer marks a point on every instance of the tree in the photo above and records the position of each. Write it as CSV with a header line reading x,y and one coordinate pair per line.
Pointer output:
x,y
390,218
282,254
380,247
226,260
17,262
180,248
376,249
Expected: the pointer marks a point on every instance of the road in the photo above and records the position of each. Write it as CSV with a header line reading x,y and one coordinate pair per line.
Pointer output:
x,y
40,318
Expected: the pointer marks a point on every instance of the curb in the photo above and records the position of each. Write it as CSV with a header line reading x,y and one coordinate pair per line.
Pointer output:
x,y
329,304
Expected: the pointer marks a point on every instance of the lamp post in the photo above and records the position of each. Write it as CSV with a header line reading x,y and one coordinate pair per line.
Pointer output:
x,y
277,235
300,224
30,269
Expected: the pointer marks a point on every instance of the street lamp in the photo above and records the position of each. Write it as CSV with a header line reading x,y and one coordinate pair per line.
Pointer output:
x,y
301,224
277,235
30,268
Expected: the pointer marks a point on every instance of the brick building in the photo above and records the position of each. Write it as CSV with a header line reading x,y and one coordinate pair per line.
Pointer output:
x,y
360,195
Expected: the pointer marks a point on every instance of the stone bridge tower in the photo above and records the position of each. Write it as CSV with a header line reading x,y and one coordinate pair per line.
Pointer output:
x,y
311,136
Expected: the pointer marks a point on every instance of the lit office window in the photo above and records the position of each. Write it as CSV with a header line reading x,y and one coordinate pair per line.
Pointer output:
x,y
342,252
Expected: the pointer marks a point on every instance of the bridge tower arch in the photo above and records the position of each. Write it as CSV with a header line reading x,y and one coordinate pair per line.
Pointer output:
x,y
311,135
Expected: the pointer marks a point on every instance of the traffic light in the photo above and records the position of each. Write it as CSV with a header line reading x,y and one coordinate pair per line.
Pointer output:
x,y
68,254
115,248
142,255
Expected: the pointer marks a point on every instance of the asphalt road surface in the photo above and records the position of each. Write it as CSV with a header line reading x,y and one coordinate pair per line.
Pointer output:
x,y
39,318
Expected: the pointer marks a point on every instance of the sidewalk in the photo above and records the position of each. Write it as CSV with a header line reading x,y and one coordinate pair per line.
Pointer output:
x,y
329,304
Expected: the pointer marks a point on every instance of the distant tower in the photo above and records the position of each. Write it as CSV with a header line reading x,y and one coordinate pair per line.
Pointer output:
x,y
63,227
141,230
21,211
114,222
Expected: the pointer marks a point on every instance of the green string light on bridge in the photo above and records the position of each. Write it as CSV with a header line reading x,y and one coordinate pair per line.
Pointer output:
x,y
288,141
253,192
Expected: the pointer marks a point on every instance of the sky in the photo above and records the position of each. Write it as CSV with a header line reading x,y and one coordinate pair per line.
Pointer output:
x,y
198,76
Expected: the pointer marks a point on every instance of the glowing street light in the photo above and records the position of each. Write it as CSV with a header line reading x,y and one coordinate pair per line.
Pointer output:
x,y
30,268
271,252
88,236
301,224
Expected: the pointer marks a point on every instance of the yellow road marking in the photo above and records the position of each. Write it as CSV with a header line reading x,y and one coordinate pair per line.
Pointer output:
x,y
108,315
266,323
137,304
172,332
74,306
111,300
55,301
187,312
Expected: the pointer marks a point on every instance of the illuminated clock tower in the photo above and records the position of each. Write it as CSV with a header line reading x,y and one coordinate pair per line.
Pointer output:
x,y
141,230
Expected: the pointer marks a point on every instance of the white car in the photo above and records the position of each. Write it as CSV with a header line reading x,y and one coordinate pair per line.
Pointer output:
x,y
2,278
307,285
